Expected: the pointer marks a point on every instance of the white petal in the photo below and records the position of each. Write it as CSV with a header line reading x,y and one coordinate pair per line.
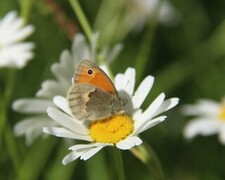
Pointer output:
x,y
129,142
16,55
94,45
65,67
25,32
32,135
80,49
10,25
67,121
32,122
142,91
20,34
84,151
62,132
202,108
32,126
130,80
139,128
81,147
137,114
23,50
203,127
88,154
166,105
71,157
119,79
125,82
150,111
31,105
8,19
62,103
50,88
222,134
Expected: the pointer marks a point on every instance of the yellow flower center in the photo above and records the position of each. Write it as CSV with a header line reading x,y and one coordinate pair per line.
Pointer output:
x,y
112,129
222,113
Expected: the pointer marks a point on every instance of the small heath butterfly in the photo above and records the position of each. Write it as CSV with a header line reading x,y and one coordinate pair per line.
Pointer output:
x,y
93,96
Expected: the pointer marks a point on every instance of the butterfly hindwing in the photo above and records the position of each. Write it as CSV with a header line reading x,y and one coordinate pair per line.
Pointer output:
x,y
89,102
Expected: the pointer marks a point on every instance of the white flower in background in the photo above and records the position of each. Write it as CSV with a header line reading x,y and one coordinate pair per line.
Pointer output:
x,y
209,120
13,52
140,11
120,130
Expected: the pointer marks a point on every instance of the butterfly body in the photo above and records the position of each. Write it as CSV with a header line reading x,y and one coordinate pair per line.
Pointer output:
x,y
92,95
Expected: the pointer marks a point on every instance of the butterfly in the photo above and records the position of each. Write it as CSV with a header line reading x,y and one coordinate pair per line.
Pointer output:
x,y
93,96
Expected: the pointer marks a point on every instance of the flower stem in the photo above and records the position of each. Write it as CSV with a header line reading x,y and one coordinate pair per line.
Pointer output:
x,y
82,18
2,121
148,157
25,8
5,128
7,137
118,164
6,97
11,74
12,147
153,165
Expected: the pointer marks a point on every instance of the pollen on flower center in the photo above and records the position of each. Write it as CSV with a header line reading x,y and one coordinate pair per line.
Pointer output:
x,y
222,113
112,129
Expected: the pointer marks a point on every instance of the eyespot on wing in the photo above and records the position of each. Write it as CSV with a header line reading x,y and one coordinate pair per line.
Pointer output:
x,y
97,78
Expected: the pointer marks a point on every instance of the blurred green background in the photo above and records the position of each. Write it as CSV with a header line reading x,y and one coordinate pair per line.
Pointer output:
x,y
186,57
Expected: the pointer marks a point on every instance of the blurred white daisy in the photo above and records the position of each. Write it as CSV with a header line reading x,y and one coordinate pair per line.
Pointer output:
x,y
140,11
209,120
13,52
121,130
36,107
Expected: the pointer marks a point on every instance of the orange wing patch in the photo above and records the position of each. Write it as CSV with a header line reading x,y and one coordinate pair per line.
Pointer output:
x,y
98,77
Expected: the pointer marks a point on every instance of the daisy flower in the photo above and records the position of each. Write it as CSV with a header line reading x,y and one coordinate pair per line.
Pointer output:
x,y
209,120
140,11
13,52
120,130
31,126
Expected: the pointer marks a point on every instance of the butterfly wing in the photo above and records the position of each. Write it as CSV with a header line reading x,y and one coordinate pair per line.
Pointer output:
x,y
90,102
88,72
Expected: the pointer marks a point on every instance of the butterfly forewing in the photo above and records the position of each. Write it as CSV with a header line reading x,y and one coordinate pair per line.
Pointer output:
x,y
97,78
